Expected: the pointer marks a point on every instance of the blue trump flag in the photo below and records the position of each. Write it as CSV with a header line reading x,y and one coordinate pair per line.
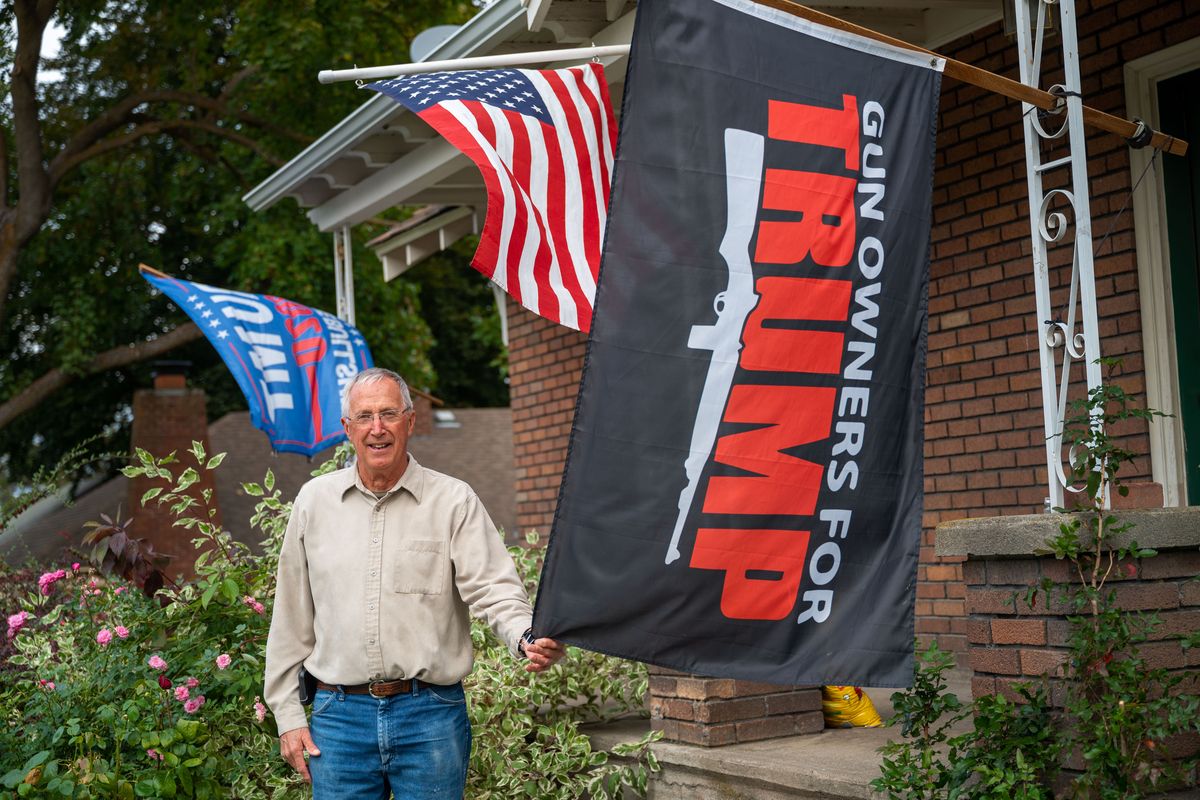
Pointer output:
x,y
291,361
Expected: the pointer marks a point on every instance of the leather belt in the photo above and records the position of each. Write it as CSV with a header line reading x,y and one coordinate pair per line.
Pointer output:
x,y
376,688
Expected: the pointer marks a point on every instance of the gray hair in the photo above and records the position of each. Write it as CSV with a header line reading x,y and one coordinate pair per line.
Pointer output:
x,y
375,375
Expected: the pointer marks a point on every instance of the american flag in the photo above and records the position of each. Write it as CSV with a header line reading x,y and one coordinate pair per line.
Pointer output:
x,y
544,141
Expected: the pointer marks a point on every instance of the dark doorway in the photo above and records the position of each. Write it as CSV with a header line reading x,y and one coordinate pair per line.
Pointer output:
x,y
1179,115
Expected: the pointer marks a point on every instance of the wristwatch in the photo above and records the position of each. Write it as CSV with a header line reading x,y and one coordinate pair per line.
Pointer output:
x,y
526,638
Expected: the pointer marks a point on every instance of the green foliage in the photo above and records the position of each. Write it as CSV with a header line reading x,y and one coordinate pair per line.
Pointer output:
x,y
1010,753
919,764
527,737
1013,751
1120,713
1124,711
86,710
45,482
245,72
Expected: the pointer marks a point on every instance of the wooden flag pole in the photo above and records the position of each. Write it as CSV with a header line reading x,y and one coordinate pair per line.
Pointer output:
x,y
152,271
989,80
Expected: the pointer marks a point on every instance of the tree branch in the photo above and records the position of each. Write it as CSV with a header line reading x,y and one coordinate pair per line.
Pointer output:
x,y
231,85
108,121
89,141
35,393
231,135
158,126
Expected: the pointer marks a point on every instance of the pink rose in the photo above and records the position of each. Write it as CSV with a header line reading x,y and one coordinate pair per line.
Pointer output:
x,y
47,685
260,711
223,661
193,705
47,581
157,663
118,590
122,631
154,754
192,683
104,637
16,622
75,567
254,604
181,693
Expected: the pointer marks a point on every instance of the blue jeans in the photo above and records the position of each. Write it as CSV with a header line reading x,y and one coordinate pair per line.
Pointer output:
x,y
416,745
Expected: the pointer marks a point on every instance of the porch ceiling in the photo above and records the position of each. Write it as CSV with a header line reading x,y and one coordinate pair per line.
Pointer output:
x,y
382,155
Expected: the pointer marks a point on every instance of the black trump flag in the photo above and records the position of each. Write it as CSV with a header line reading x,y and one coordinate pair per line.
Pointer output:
x,y
743,488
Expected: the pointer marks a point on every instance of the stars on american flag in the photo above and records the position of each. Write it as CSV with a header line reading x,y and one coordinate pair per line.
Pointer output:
x,y
507,89
551,180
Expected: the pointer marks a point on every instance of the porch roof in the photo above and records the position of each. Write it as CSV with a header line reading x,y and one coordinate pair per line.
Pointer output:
x,y
382,155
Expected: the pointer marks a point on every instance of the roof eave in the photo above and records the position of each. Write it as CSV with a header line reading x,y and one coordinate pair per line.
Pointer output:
x,y
487,28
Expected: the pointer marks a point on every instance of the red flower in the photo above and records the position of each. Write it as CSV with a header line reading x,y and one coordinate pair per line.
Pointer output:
x,y
164,681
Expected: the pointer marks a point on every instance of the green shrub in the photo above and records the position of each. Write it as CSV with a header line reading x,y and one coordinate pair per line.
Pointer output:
x,y
918,765
1120,713
113,693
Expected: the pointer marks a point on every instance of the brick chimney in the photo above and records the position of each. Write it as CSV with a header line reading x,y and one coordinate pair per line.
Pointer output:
x,y
168,418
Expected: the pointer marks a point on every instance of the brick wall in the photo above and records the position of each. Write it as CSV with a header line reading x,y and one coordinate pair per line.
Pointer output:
x,y
545,362
718,711
1010,643
983,453
983,449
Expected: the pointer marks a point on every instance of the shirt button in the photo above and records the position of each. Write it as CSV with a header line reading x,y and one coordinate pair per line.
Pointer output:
x,y
376,539
372,641
372,573
371,607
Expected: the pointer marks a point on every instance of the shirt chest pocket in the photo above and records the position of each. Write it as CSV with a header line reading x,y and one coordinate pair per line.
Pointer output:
x,y
420,567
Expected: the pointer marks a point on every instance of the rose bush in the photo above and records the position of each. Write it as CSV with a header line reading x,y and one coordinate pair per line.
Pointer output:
x,y
110,692
116,694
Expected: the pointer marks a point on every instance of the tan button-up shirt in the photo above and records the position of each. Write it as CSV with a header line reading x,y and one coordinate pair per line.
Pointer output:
x,y
379,588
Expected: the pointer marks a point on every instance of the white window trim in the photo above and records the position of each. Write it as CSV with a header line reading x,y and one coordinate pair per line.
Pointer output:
x,y
1154,278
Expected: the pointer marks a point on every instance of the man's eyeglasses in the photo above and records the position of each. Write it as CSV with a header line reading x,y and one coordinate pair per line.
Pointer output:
x,y
389,416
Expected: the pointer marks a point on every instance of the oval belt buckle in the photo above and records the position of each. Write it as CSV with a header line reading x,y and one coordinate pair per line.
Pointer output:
x,y
371,689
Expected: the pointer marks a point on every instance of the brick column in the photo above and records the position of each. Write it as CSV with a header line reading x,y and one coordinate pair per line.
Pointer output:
x,y
545,362
1013,641
169,418
712,712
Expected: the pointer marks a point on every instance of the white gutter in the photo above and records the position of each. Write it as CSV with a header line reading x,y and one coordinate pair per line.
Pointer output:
x,y
483,31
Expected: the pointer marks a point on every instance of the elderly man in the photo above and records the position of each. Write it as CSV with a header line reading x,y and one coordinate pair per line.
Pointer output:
x,y
379,565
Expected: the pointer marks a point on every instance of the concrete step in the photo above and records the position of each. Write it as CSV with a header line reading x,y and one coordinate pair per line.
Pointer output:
x,y
831,765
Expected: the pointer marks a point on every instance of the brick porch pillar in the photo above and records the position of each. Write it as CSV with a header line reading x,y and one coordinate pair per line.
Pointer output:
x,y
712,712
1013,641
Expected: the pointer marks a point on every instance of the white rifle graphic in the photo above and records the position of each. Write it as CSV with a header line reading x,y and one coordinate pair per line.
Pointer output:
x,y
743,180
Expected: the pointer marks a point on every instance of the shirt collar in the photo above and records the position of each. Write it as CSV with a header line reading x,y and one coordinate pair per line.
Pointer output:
x,y
413,480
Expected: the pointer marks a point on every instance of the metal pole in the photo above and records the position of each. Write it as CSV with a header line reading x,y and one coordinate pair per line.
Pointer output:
x,y
479,62
1073,327
339,290
348,274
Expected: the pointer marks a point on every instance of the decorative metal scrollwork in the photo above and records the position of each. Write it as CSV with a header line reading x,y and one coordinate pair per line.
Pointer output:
x,y
1069,331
